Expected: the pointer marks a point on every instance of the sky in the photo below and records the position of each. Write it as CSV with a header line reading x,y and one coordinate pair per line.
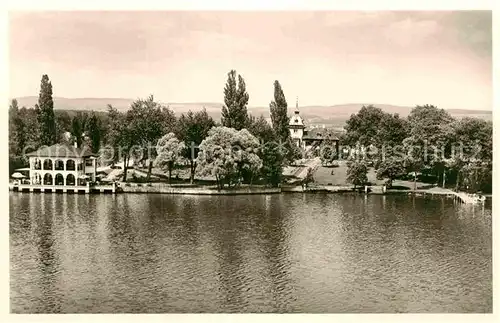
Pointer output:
x,y
323,58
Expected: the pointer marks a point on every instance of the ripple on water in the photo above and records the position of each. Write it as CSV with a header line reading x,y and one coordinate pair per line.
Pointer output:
x,y
279,253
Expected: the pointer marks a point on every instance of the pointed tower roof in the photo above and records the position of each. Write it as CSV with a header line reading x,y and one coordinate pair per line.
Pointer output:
x,y
296,120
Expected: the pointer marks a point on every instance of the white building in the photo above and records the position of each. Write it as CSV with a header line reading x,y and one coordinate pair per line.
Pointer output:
x,y
297,127
307,137
61,165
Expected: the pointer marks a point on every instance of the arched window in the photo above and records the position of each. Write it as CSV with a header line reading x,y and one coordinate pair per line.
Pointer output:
x,y
70,164
59,165
70,180
47,179
59,179
37,164
36,179
47,164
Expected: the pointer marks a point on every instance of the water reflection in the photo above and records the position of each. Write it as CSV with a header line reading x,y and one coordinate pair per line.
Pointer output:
x,y
47,258
278,253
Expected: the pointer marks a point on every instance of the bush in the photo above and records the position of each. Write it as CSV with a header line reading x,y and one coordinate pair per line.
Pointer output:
x,y
136,179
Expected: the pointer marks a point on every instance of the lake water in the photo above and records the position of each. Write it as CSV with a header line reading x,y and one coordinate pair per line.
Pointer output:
x,y
276,253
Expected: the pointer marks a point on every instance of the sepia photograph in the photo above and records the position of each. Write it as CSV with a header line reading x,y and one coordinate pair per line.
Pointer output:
x,y
250,161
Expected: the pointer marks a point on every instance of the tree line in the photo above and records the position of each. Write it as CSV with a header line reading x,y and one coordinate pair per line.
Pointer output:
x,y
241,148
31,128
429,142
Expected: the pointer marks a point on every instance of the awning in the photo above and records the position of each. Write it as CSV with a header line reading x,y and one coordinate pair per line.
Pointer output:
x,y
17,175
25,169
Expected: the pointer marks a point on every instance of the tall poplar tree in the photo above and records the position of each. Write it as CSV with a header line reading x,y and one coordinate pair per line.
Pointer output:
x,y
234,111
17,130
280,121
279,113
45,112
78,127
95,130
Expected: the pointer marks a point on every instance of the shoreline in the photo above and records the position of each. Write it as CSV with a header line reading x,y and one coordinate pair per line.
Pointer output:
x,y
190,189
187,189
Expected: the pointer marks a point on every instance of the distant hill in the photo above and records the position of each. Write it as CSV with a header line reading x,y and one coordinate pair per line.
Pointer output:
x,y
330,116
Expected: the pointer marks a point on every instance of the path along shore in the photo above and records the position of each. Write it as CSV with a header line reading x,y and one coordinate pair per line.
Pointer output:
x,y
246,190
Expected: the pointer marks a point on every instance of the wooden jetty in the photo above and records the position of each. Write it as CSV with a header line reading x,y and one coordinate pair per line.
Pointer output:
x,y
75,189
462,197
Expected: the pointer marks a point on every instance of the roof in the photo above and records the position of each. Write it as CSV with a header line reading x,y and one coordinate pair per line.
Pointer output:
x,y
63,151
319,134
296,120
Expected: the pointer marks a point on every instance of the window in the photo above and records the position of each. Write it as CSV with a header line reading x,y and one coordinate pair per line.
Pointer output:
x,y
296,120
294,130
88,162
37,164
70,165
59,165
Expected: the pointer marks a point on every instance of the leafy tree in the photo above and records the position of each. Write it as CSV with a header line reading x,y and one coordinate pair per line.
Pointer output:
x,y
17,130
78,127
356,173
63,124
327,152
279,113
226,153
428,137
169,153
192,129
392,131
94,130
390,168
120,138
272,156
292,152
363,127
261,129
63,119
148,120
472,141
31,128
411,160
45,111
375,132
234,111
168,120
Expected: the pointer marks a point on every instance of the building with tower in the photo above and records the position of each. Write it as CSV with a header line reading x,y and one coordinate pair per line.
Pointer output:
x,y
308,137
297,126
